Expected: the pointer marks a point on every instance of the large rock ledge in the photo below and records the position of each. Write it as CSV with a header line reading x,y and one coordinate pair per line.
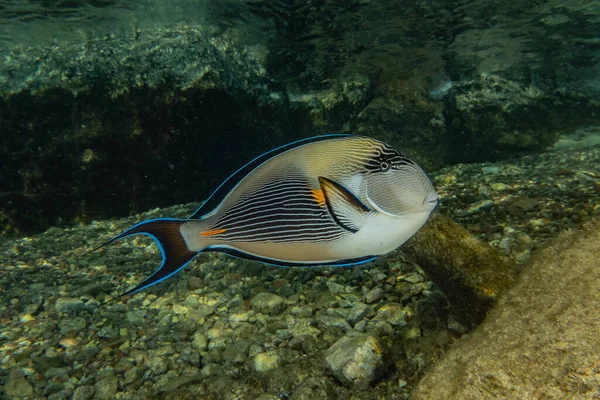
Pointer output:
x,y
110,126
540,340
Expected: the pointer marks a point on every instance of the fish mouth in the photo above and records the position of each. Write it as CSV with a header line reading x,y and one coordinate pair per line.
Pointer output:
x,y
431,199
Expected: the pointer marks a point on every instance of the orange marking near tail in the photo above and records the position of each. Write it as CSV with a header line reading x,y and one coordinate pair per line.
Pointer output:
x,y
212,233
319,196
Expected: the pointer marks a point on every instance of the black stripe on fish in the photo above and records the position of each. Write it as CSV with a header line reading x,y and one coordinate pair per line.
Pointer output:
x,y
293,214
223,190
281,263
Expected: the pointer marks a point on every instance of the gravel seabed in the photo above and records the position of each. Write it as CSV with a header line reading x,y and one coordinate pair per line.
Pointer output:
x,y
225,328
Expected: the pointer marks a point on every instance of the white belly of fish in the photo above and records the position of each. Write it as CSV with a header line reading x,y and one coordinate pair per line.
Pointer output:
x,y
381,234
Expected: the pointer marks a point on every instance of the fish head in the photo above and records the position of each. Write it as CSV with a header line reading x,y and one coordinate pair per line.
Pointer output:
x,y
400,187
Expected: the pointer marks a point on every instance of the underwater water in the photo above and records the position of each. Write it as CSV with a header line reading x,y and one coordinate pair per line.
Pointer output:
x,y
113,113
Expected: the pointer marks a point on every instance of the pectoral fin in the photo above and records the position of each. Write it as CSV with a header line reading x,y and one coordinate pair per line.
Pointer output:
x,y
345,208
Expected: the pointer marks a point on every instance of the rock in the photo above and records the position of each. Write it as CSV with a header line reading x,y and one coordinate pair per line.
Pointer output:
x,y
335,288
541,338
236,353
393,313
158,365
18,387
200,342
264,362
373,295
68,304
132,375
471,273
106,386
490,170
71,325
358,312
83,393
268,303
355,360
136,317
329,320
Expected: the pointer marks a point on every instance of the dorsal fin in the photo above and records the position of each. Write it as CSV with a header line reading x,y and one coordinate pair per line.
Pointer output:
x,y
228,184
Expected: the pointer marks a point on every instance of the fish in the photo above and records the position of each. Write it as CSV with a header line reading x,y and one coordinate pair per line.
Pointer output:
x,y
329,200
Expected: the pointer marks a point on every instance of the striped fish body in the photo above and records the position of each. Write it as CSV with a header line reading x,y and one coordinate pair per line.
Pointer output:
x,y
328,200
279,212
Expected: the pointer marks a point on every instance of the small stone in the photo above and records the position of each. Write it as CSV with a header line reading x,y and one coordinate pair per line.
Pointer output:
x,y
358,312
200,342
68,342
132,375
264,362
18,388
194,283
212,370
373,295
393,313
26,318
355,360
490,170
83,393
179,309
71,325
413,278
304,329
137,317
68,304
499,187
106,387
456,326
412,333
239,317
237,353
283,334
158,365
268,303
335,288
332,321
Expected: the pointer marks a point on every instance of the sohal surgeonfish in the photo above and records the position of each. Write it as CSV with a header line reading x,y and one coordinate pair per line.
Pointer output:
x,y
335,200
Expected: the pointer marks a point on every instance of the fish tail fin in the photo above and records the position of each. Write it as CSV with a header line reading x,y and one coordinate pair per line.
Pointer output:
x,y
173,247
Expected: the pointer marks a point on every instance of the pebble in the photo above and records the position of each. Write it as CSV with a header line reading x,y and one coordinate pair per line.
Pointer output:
x,y
18,388
83,393
158,365
358,312
499,187
68,342
373,295
490,170
265,362
106,386
68,304
71,325
393,313
355,360
268,303
328,320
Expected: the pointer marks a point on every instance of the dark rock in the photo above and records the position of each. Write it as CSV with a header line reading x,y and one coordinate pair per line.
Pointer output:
x,y
470,272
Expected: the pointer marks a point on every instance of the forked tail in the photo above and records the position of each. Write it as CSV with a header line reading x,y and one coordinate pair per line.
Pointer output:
x,y
175,253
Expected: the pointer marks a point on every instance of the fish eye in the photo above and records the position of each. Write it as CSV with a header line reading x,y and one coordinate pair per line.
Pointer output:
x,y
384,166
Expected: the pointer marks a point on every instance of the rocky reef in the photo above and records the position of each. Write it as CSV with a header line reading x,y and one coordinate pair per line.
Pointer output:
x,y
99,123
